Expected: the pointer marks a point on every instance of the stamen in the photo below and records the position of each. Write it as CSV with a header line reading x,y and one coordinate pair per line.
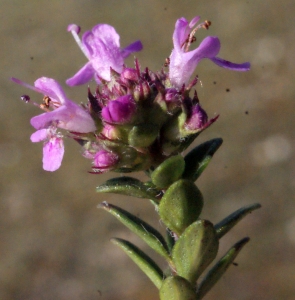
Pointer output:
x,y
46,101
75,29
27,99
44,107
207,24
191,37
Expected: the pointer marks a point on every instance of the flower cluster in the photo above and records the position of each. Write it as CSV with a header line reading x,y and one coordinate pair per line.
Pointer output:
x,y
136,118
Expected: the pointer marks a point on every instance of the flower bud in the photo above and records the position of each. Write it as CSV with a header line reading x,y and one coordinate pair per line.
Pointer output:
x,y
119,111
129,74
105,160
198,118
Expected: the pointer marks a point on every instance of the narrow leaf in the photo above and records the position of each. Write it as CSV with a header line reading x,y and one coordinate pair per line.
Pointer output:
x,y
229,222
128,186
197,159
177,288
146,232
144,262
195,250
219,269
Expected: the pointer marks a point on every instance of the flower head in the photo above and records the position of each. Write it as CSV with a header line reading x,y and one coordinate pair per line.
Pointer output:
x,y
183,62
136,118
101,46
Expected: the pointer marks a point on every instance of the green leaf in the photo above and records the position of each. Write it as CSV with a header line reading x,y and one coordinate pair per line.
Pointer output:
x,y
128,186
195,250
169,171
219,269
197,159
144,262
229,222
146,232
181,205
177,288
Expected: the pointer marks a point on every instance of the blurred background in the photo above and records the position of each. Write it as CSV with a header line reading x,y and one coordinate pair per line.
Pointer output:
x,y
54,242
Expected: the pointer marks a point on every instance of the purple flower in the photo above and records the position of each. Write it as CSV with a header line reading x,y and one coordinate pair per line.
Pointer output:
x,y
101,46
184,62
65,114
119,111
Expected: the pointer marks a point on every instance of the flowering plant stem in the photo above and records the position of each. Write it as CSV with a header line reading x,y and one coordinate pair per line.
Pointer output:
x,y
139,120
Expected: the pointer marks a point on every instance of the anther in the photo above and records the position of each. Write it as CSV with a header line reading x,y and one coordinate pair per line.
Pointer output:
x,y
46,101
167,62
25,98
206,24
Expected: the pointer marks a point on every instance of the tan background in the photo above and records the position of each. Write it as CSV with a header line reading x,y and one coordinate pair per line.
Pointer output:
x,y
54,242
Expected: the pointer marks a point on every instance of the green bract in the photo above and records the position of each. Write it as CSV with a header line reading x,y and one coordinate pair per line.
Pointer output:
x,y
168,171
195,250
177,288
181,205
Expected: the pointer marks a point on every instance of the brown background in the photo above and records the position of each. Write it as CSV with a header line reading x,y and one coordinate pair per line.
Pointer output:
x,y
54,242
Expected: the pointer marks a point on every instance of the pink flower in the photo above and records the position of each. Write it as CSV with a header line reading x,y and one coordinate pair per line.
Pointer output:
x,y
65,114
101,46
183,62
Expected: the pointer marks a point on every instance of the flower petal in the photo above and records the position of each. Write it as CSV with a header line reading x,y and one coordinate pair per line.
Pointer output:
x,y
53,152
180,33
39,135
106,34
134,47
194,21
71,117
231,66
183,64
208,48
82,76
51,88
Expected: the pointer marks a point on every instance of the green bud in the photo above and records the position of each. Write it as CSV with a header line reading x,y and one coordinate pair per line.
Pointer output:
x,y
181,205
168,171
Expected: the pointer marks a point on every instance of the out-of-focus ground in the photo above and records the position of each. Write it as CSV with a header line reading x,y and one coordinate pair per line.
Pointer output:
x,y
54,242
